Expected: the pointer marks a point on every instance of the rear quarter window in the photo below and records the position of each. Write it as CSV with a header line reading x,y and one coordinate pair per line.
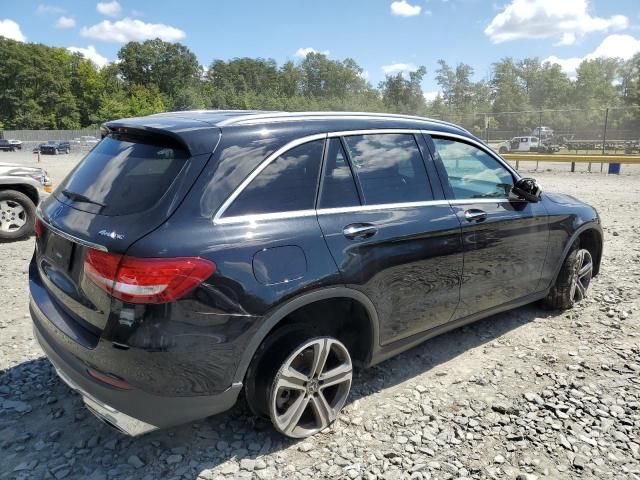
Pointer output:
x,y
124,175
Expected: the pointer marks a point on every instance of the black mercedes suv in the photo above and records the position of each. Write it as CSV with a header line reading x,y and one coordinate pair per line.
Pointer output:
x,y
194,255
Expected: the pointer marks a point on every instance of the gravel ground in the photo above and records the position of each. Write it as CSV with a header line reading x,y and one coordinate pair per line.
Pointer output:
x,y
522,395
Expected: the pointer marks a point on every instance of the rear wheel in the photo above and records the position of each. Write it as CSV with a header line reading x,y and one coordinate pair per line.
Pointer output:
x,y
573,280
503,150
299,380
17,215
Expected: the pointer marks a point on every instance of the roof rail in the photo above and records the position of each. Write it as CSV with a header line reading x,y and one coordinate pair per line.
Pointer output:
x,y
265,117
211,111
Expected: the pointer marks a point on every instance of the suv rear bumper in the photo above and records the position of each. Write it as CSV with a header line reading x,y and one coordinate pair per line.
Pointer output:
x,y
133,412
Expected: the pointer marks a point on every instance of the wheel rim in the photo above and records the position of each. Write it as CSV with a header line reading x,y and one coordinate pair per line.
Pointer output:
x,y
582,275
13,216
311,387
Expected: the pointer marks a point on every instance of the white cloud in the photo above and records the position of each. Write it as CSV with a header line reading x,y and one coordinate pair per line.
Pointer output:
x,y
110,9
613,46
49,9
10,29
430,96
402,8
303,52
65,22
129,29
562,19
398,68
90,53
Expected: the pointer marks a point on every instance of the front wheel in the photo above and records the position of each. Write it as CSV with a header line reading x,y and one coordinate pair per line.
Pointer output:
x,y
573,280
17,215
301,383
503,150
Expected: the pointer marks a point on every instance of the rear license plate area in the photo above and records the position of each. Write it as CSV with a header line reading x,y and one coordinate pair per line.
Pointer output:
x,y
59,252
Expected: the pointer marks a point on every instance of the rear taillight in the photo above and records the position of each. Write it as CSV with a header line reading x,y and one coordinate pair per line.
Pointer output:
x,y
39,228
146,280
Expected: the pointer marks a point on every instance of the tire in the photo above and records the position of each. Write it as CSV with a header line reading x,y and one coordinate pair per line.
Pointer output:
x,y
67,151
573,280
55,151
17,215
502,150
283,385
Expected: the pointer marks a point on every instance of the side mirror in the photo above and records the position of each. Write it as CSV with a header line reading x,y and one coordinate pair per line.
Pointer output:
x,y
527,189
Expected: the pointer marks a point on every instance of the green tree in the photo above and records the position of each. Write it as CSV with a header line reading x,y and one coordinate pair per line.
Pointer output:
x,y
403,95
169,67
594,86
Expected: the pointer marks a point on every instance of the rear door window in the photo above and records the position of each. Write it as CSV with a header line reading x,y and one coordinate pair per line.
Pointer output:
x,y
287,184
389,168
124,175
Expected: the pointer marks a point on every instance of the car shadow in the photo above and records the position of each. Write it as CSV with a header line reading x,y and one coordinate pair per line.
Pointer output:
x,y
40,415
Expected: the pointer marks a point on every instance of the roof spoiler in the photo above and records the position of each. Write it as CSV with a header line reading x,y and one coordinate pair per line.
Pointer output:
x,y
194,136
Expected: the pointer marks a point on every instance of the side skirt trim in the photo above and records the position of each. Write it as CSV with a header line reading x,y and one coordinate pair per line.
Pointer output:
x,y
383,353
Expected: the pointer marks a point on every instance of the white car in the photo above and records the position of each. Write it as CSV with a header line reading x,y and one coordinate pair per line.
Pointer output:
x,y
542,132
21,189
519,144
89,140
16,143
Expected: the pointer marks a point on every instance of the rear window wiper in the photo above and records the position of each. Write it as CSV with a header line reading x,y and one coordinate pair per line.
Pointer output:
x,y
78,197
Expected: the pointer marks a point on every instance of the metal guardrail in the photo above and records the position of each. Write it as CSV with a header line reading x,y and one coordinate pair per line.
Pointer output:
x,y
572,159
537,157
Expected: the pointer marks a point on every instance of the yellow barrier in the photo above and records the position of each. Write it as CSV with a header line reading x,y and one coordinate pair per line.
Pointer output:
x,y
542,157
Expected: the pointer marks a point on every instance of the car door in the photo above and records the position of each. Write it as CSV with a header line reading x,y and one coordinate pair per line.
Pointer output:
x,y
505,239
391,232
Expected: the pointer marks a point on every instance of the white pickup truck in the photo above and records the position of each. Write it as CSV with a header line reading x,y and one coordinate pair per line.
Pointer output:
x,y
527,144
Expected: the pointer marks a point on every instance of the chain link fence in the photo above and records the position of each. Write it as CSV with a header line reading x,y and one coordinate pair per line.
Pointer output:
x,y
603,130
584,131
81,139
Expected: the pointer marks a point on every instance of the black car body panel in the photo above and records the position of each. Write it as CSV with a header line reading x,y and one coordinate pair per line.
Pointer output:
x,y
7,146
424,268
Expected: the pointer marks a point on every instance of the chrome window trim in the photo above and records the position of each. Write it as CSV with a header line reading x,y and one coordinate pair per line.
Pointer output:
x,y
70,237
465,201
218,219
476,143
265,163
253,218
381,206
242,219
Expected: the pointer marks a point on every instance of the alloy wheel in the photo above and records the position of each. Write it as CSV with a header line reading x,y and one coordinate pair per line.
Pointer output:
x,y
582,275
13,216
311,387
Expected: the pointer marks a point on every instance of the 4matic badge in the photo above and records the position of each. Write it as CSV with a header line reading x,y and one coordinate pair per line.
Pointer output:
x,y
115,235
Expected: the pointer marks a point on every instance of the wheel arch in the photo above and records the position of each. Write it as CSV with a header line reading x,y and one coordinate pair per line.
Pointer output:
x,y
29,190
590,232
275,318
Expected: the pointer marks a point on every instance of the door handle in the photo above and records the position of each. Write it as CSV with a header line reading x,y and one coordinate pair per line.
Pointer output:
x,y
359,230
475,215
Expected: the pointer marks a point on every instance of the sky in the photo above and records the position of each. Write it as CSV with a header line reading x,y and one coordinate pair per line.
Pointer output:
x,y
383,36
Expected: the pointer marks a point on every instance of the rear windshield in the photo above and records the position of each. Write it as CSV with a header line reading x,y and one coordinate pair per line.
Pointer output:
x,y
123,175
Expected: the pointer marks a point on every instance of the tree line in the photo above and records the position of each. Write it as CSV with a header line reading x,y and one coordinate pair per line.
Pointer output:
x,y
44,87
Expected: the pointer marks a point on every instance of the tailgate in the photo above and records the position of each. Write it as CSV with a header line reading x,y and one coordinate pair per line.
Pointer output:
x,y
126,187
